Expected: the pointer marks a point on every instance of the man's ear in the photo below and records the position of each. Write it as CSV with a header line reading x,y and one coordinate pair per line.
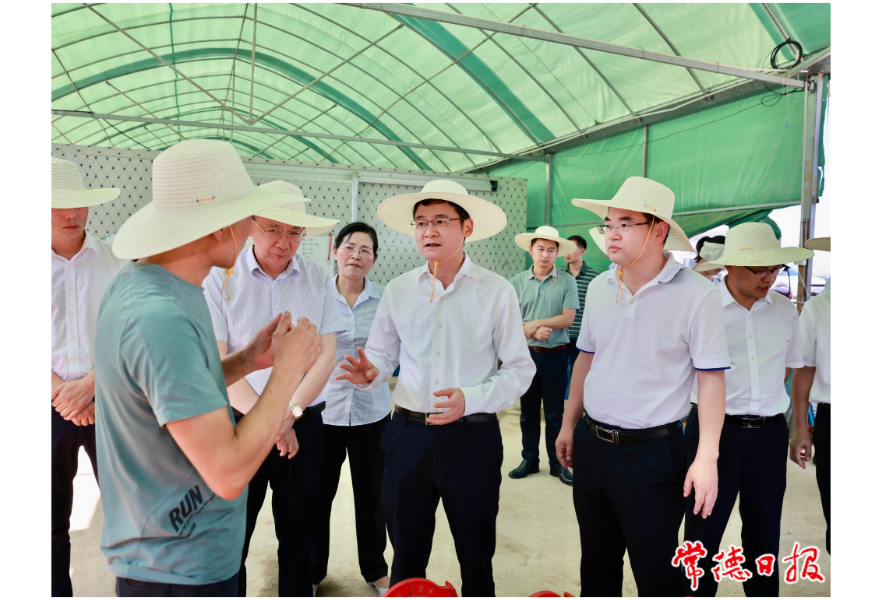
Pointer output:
x,y
468,228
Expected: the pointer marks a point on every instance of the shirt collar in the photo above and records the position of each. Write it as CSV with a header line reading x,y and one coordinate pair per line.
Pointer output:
x,y
554,273
369,291
468,268
252,264
727,298
91,242
668,272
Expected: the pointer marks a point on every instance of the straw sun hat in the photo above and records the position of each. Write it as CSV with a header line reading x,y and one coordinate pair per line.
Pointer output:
x,y
754,245
545,233
647,196
199,186
294,213
598,238
711,251
822,243
68,190
397,212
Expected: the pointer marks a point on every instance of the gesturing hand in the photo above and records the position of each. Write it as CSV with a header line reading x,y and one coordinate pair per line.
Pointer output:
x,y
359,371
455,405
259,349
294,349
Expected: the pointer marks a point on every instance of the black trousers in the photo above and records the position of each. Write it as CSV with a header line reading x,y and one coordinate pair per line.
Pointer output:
x,y
295,484
133,588
460,465
546,391
752,463
628,497
573,351
66,441
822,460
366,464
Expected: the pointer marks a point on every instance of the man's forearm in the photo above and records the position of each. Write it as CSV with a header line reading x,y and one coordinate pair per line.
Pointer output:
x,y
242,396
800,389
576,404
559,322
56,380
235,367
711,413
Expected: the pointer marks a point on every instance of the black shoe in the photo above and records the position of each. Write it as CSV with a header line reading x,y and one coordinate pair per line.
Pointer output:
x,y
563,474
524,469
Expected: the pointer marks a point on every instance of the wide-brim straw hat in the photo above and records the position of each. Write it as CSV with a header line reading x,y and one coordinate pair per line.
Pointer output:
x,y
68,190
647,196
397,211
545,233
199,187
822,243
711,251
294,213
598,238
754,245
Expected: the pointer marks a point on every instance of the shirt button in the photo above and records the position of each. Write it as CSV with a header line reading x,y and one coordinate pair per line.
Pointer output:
x,y
276,307
437,354
440,325
436,381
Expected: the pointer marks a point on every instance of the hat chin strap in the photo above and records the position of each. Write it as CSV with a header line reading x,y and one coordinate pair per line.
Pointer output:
x,y
224,293
435,272
621,270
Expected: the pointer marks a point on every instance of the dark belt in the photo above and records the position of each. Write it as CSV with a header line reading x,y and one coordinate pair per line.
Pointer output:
x,y
312,411
541,350
617,435
423,418
752,421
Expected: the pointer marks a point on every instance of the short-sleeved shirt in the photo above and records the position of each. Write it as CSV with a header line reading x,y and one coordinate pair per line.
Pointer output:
x,y
347,405
814,324
546,299
156,361
586,275
304,288
647,346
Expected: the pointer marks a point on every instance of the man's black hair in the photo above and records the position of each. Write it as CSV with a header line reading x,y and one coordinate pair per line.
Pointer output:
x,y
533,241
717,239
357,227
580,241
460,211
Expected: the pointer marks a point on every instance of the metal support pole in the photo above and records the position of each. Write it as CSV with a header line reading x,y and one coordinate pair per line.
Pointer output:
x,y
549,168
354,212
645,148
813,107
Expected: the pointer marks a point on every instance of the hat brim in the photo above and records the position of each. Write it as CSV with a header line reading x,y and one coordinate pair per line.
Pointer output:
x,y
822,243
83,198
760,258
564,247
677,238
311,224
397,213
147,232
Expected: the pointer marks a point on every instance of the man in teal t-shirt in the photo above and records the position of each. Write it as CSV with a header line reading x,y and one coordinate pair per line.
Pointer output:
x,y
173,463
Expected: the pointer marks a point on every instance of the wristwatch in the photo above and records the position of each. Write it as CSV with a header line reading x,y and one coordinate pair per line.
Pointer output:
x,y
295,410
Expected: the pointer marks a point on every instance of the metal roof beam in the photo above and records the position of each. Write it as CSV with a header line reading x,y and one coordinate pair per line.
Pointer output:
x,y
780,27
572,40
286,132
670,44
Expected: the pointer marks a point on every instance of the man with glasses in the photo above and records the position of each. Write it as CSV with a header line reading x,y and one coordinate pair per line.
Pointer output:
x,y
275,278
549,302
447,324
762,332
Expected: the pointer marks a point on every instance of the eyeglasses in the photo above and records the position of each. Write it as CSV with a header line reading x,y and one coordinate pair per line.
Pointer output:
x,y
351,249
272,234
439,223
623,227
765,272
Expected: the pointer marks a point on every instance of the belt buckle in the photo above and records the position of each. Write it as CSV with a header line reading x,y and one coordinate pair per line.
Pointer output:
x,y
756,423
613,434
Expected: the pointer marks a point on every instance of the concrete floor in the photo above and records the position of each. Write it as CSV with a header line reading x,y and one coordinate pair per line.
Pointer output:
x,y
537,537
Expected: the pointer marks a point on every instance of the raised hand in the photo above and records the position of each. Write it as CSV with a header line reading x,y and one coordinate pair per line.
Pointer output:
x,y
455,405
294,349
359,371
259,349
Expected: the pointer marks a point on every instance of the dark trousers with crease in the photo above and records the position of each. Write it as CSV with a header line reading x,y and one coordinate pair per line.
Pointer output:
x,y
366,464
66,441
752,466
628,497
822,460
133,588
546,392
295,484
458,464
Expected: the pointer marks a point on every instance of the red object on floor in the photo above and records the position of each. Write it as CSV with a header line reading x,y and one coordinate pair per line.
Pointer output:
x,y
417,587
547,594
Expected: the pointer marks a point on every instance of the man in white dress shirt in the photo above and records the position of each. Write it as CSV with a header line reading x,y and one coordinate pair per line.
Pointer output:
x,y
762,332
447,324
648,327
275,278
82,267
812,384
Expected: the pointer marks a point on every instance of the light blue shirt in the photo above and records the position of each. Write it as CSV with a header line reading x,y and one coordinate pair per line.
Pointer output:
x,y
156,361
304,288
348,406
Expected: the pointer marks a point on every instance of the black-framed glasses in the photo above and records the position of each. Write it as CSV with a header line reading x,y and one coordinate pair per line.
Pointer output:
x,y
623,227
275,235
438,222
765,272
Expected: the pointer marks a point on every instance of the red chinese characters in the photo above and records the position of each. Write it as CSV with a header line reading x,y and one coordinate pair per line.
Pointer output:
x,y
729,565
810,569
765,565
688,555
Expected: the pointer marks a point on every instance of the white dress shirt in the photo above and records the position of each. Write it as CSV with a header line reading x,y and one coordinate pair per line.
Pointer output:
x,y
304,288
647,346
78,285
348,406
762,341
814,325
453,342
